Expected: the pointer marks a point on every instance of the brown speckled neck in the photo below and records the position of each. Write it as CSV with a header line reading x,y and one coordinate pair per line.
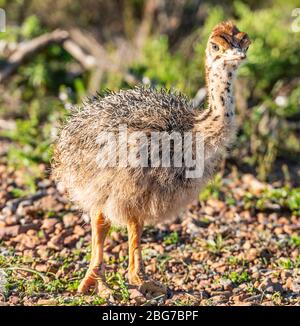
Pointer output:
x,y
220,92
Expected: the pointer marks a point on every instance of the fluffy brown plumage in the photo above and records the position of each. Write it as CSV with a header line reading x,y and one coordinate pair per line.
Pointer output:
x,y
135,196
119,193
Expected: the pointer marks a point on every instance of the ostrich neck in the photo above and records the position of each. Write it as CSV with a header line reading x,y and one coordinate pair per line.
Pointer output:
x,y
220,92
217,123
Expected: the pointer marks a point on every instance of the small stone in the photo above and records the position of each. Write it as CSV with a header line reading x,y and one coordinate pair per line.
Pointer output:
x,y
175,227
270,286
43,252
44,183
278,231
289,284
219,298
227,284
48,224
295,253
49,203
247,245
261,218
41,268
25,241
225,294
216,204
255,186
242,304
56,242
253,298
251,254
24,208
47,302
268,303
283,220
10,220
134,294
151,268
9,231
70,220
296,285
70,240
79,231
239,297
208,210
118,248
31,227
14,300
116,236
216,287
285,274
222,269
31,233
158,248
58,228
287,229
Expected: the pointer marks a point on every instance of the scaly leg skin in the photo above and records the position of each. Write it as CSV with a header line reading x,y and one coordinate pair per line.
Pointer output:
x,y
95,274
136,273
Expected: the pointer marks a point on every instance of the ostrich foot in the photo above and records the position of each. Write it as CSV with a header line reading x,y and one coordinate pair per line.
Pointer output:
x,y
96,279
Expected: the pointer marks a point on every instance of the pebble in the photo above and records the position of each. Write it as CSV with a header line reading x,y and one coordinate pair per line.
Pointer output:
x,y
79,231
70,220
251,255
247,245
47,302
70,240
256,297
270,286
9,231
227,284
296,287
55,242
225,294
48,224
41,268
135,294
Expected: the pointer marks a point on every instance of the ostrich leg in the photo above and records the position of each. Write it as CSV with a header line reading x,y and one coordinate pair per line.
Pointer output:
x,y
136,273
95,274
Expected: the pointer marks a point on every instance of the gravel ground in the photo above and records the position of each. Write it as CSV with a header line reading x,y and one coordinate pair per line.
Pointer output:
x,y
226,249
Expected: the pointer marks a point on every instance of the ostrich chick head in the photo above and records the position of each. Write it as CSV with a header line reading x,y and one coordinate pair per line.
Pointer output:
x,y
226,47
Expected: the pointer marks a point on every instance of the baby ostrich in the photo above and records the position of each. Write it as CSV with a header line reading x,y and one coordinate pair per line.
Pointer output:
x,y
139,195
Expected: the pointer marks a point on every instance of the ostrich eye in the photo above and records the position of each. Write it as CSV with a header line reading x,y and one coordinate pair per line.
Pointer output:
x,y
215,47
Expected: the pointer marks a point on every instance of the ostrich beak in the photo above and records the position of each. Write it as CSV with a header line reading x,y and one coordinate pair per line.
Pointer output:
x,y
240,56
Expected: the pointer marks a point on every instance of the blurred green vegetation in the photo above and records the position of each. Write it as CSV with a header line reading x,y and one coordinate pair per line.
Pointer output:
x,y
45,87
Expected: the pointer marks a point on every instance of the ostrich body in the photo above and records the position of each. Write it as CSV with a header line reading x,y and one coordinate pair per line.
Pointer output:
x,y
135,196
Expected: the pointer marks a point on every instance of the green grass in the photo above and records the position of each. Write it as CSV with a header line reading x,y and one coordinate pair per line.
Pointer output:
x,y
171,238
215,245
115,280
94,300
285,263
212,190
295,241
239,278
235,261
